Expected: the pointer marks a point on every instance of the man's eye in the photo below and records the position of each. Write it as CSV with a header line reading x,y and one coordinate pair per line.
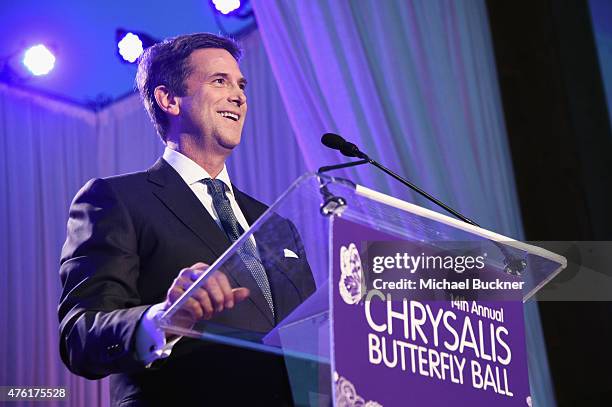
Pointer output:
x,y
220,81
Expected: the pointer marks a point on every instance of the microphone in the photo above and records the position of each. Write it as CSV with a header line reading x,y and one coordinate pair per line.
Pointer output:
x,y
337,142
513,265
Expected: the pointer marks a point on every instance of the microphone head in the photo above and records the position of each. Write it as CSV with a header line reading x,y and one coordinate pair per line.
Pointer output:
x,y
350,150
337,142
333,141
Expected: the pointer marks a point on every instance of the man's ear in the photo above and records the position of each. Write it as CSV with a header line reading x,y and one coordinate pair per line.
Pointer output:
x,y
166,100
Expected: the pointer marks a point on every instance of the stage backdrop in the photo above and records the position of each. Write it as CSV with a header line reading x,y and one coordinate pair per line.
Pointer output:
x,y
412,82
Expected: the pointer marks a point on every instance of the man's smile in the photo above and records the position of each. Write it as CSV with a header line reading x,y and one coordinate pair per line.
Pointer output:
x,y
230,115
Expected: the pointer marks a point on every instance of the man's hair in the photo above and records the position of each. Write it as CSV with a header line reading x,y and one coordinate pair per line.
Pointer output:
x,y
167,63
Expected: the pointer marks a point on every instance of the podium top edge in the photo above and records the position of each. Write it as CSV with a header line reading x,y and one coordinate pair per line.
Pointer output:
x,y
459,224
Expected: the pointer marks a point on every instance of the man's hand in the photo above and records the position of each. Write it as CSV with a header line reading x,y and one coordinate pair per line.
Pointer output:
x,y
213,297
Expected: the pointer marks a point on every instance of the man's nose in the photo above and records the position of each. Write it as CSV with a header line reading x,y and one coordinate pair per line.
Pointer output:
x,y
238,96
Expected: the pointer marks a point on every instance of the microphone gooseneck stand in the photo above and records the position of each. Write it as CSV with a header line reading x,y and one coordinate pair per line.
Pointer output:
x,y
349,149
334,204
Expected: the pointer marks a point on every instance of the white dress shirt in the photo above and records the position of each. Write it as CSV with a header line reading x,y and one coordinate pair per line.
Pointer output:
x,y
150,339
193,175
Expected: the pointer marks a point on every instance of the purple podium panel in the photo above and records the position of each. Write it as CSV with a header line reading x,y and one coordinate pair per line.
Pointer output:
x,y
393,349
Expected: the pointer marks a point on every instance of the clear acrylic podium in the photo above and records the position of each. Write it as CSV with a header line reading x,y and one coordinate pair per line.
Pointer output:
x,y
315,339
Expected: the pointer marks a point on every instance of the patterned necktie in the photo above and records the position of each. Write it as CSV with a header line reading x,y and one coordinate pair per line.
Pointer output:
x,y
247,252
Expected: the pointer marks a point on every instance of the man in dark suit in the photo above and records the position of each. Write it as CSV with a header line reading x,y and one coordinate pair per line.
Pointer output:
x,y
136,242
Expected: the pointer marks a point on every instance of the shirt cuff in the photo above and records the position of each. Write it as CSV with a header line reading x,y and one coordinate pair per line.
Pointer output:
x,y
150,339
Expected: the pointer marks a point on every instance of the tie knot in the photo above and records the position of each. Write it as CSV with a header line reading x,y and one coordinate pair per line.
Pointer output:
x,y
216,187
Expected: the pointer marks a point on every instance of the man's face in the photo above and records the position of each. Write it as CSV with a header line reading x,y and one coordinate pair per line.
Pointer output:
x,y
214,107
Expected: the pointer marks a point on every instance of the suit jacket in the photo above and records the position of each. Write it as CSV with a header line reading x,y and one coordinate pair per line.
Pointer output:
x,y
128,237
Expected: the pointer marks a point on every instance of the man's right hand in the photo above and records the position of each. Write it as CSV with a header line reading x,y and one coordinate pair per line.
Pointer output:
x,y
213,297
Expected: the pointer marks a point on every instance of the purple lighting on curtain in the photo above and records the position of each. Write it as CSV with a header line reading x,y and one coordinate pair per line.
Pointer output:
x,y
413,83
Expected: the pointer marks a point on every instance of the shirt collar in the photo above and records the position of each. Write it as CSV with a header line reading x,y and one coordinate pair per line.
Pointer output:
x,y
191,172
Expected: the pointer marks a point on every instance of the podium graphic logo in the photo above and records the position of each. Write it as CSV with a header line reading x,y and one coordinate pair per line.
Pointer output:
x,y
346,395
350,278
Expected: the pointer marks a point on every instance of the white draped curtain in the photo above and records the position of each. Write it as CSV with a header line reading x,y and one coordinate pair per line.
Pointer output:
x,y
414,84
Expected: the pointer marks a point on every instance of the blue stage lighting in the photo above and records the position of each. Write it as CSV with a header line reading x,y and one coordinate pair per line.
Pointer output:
x,y
226,6
231,11
39,60
131,44
130,47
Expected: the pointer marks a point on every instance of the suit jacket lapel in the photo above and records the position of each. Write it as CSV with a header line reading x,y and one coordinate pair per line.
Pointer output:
x,y
180,200
251,208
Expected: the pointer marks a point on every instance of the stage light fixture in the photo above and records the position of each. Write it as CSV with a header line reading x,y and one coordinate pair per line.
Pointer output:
x,y
130,47
226,6
39,60
232,11
131,44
